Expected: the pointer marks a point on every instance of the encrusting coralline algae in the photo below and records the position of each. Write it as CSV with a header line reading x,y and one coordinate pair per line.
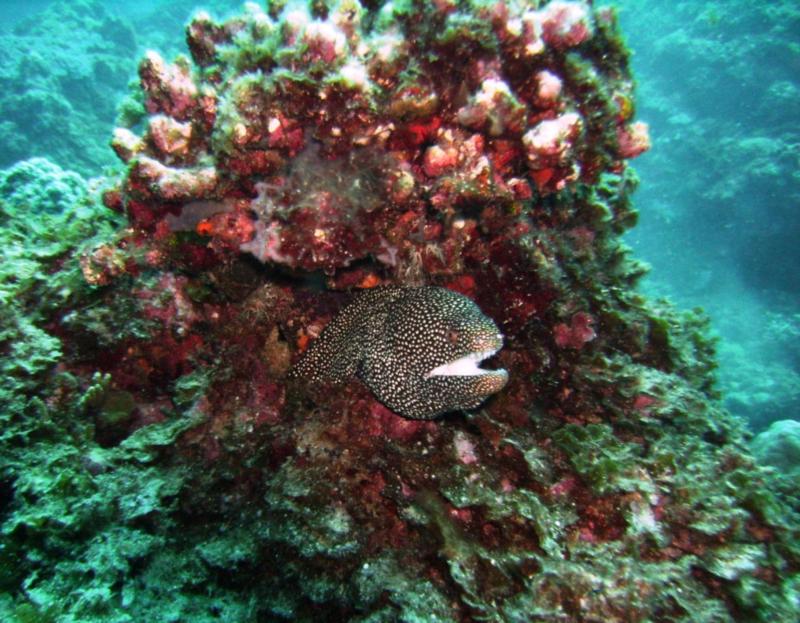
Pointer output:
x,y
304,154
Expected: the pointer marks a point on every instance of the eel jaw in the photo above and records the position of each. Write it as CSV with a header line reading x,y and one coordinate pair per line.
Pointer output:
x,y
467,365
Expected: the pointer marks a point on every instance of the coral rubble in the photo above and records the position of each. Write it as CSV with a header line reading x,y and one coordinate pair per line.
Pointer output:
x,y
175,472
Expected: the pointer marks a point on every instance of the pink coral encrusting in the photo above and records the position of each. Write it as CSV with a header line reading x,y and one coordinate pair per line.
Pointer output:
x,y
566,24
633,139
169,137
549,146
168,88
575,334
548,88
494,108
261,121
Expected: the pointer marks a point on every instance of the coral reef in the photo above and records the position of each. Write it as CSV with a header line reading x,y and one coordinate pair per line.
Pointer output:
x,y
160,464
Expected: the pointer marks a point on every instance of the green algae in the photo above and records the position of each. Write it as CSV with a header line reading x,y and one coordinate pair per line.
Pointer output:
x,y
46,213
601,459
63,486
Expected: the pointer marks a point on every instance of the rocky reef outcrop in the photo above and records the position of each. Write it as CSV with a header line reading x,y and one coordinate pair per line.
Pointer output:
x,y
162,466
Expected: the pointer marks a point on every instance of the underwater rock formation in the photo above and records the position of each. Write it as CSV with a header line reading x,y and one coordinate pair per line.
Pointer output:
x,y
779,447
302,155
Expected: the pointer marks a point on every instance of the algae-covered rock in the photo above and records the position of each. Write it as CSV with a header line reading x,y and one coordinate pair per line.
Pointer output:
x,y
45,214
303,153
36,185
779,447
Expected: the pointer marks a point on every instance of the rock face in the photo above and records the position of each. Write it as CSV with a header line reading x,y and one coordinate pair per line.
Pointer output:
x,y
779,447
301,155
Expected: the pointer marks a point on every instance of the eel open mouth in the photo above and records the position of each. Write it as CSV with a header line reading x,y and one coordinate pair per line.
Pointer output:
x,y
467,365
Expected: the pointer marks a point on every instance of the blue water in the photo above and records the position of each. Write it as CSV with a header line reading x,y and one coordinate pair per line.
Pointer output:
x,y
719,84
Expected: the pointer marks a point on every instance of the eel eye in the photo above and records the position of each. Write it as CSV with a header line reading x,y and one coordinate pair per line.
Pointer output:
x,y
452,336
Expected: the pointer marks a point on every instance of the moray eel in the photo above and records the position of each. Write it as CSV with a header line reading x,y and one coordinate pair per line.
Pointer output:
x,y
416,348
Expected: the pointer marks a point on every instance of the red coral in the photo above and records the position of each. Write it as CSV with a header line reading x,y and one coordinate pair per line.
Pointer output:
x,y
577,333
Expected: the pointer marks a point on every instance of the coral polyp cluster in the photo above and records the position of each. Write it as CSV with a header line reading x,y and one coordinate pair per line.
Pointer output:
x,y
300,156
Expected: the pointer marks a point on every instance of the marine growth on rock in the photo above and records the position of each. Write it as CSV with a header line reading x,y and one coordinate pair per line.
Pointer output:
x,y
376,190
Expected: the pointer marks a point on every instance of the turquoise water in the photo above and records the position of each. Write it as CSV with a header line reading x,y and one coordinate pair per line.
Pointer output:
x,y
720,85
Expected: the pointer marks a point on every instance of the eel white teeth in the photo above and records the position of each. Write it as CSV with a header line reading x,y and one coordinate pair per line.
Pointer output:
x,y
417,349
